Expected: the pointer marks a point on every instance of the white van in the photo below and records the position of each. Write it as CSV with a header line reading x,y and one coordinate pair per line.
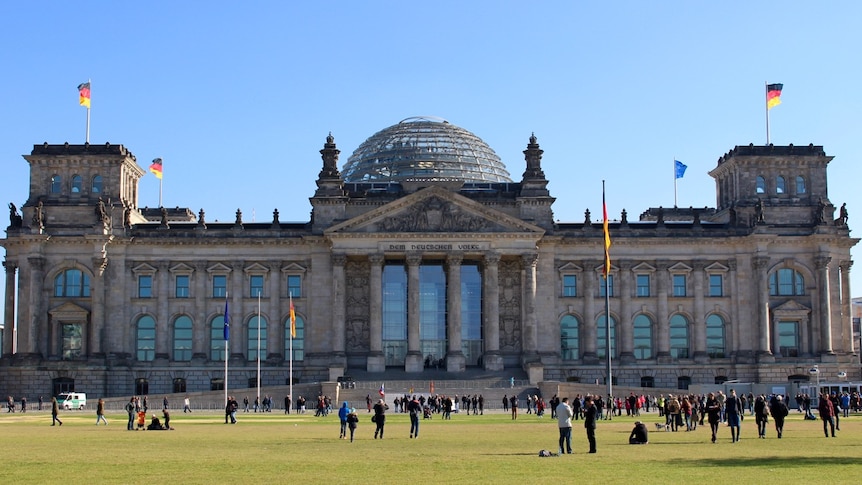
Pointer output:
x,y
72,400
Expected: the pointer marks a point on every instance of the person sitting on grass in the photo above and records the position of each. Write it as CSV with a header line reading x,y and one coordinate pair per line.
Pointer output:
x,y
639,435
155,424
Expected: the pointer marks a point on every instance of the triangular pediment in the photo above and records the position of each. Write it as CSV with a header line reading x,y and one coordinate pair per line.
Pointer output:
x,y
143,268
68,312
293,268
680,268
181,268
717,268
791,306
570,267
644,268
256,268
218,268
434,210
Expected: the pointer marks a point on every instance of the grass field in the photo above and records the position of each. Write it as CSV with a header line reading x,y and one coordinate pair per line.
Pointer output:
x,y
274,448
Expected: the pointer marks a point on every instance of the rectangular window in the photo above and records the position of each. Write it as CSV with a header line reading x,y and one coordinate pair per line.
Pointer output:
x,y
788,339
570,285
294,285
643,285
255,285
679,285
610,285
182,284
145,286
219,286
716,285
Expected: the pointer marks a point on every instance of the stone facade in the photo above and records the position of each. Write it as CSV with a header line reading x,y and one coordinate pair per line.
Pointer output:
x,y
117,299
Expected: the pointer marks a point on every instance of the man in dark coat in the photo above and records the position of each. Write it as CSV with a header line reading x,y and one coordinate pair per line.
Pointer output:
x,y
590,413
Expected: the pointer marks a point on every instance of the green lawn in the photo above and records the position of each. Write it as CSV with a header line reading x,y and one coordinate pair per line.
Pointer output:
x,y
273,448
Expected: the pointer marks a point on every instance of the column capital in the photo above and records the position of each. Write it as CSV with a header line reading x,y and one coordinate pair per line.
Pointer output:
x,y
731,263
375,259
845,265
10,266
821,262
238,266
454,259
759,262
340,259
161,265
200,266
36,262
699,264
625,264
275,266
662,264
492,258
414,259
530,259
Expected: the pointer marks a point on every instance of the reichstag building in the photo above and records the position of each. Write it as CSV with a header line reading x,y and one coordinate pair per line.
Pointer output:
x,y
423,249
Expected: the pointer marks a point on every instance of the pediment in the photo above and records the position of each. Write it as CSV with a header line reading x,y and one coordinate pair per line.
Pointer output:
x,y
69,312
293,268
434,210
256,268
570,268
791,306
644,268
680,268
218,268
144,268
717,268
181,268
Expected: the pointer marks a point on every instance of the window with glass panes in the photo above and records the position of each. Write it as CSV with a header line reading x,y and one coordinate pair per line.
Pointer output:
x,y
219,286
182,286
715,339
678,333
679,285
294,285
610,286
569,338
716,285
145,338
570,285
217,341
601,340
255,286
642,334
183,339
145,286
788,338
642,281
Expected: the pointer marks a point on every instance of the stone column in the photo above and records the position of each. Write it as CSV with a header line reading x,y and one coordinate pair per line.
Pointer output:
x,y
491,313
163,326
9,313
201,328
528,312
761,315
662,313
699,322
588,338
455,359
846,315
238,337
732,338
95,339
275,325
626,331
376,361
414,361
339,315
821,263
28,338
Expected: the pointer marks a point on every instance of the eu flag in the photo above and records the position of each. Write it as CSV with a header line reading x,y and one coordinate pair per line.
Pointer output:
x,y
226,321
679,168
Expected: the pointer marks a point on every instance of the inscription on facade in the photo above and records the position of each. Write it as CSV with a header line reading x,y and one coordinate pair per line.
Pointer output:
x,y
434,246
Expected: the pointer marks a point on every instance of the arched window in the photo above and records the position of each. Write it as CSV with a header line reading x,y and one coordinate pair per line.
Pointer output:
x,y
63,384
760,186
678,337
786,282
298,340
257,325
642,337
179,385
142,386
96,188
77,182
601,341
647,381
780,187
682,382
145,338
72,283
183,339
56,184
800,184
569,334
715,340
217,341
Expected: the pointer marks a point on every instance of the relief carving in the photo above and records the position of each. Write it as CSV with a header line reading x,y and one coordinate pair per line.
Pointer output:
x,y
357,305
510,306
435,215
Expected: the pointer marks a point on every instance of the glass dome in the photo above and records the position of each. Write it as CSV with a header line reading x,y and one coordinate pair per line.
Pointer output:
x,y
424,148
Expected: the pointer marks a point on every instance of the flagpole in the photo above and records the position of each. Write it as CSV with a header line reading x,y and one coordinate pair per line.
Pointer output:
x,y
607,297
674,182
258,346
766,105
226,344
292,323
160,188
89,83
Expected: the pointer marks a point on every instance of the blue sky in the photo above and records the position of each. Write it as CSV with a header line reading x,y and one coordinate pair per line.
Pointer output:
x,y
237,98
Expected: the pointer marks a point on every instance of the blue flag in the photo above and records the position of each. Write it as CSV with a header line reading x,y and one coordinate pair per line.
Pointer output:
x,y
226,321
679,168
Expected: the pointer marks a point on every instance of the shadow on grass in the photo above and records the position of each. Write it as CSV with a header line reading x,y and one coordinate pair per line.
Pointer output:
x,y
760,461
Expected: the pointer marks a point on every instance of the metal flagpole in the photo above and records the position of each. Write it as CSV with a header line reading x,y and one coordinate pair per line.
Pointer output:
x,y
292,319
160,192
607,295
766,105
258,347
89,83
226,343
674,182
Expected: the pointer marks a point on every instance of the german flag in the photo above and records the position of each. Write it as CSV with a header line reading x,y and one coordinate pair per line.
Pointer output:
x,y
607,268
156,168
773,95
84,94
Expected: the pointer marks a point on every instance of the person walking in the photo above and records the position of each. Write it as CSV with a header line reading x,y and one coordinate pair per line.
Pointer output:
x,y
130,408
187,407
379,417
827,414
414,407
713,414
590,413
732,412
352,422
100,412
761,415
513,404
55,410
342,417
779,412
564,414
